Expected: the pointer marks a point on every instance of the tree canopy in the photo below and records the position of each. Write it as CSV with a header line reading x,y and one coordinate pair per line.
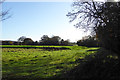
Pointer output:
x,y
21,39
101,18
54,40
88,41
28,41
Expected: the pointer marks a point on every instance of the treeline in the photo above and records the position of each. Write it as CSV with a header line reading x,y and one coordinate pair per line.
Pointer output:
x,y
88,41
45,40
55,40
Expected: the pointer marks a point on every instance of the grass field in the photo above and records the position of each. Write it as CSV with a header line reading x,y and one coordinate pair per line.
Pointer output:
x,y
39,63
12,46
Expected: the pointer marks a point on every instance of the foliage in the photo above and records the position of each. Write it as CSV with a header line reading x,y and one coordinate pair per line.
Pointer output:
x,y
28,41
55,40
7,42
21,39
109,34
88,41
102,65
64,42
45,40
101,18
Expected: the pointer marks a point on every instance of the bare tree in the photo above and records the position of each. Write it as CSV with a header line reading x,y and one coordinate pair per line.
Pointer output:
x,y
101,18
88,14
3,14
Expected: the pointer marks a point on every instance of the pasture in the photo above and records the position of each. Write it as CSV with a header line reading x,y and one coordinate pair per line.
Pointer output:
x,y
21,63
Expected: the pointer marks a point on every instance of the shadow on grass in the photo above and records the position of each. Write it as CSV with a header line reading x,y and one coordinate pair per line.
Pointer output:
x,y
102,65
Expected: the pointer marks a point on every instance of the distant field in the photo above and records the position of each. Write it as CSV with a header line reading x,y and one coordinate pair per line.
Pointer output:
x,y
39,63
34,46
28,46
25,46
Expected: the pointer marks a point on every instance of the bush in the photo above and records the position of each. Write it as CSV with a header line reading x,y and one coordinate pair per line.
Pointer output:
x,y
88,41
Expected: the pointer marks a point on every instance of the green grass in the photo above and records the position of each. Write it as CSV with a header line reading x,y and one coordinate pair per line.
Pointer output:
x,y
38,63
71,47
28,46
104,64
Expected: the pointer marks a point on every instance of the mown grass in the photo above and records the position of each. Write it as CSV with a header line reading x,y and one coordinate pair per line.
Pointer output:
x,y
38,63
22,46
28,46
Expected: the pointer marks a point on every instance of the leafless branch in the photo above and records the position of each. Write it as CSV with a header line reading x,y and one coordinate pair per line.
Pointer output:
x,y
4,14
